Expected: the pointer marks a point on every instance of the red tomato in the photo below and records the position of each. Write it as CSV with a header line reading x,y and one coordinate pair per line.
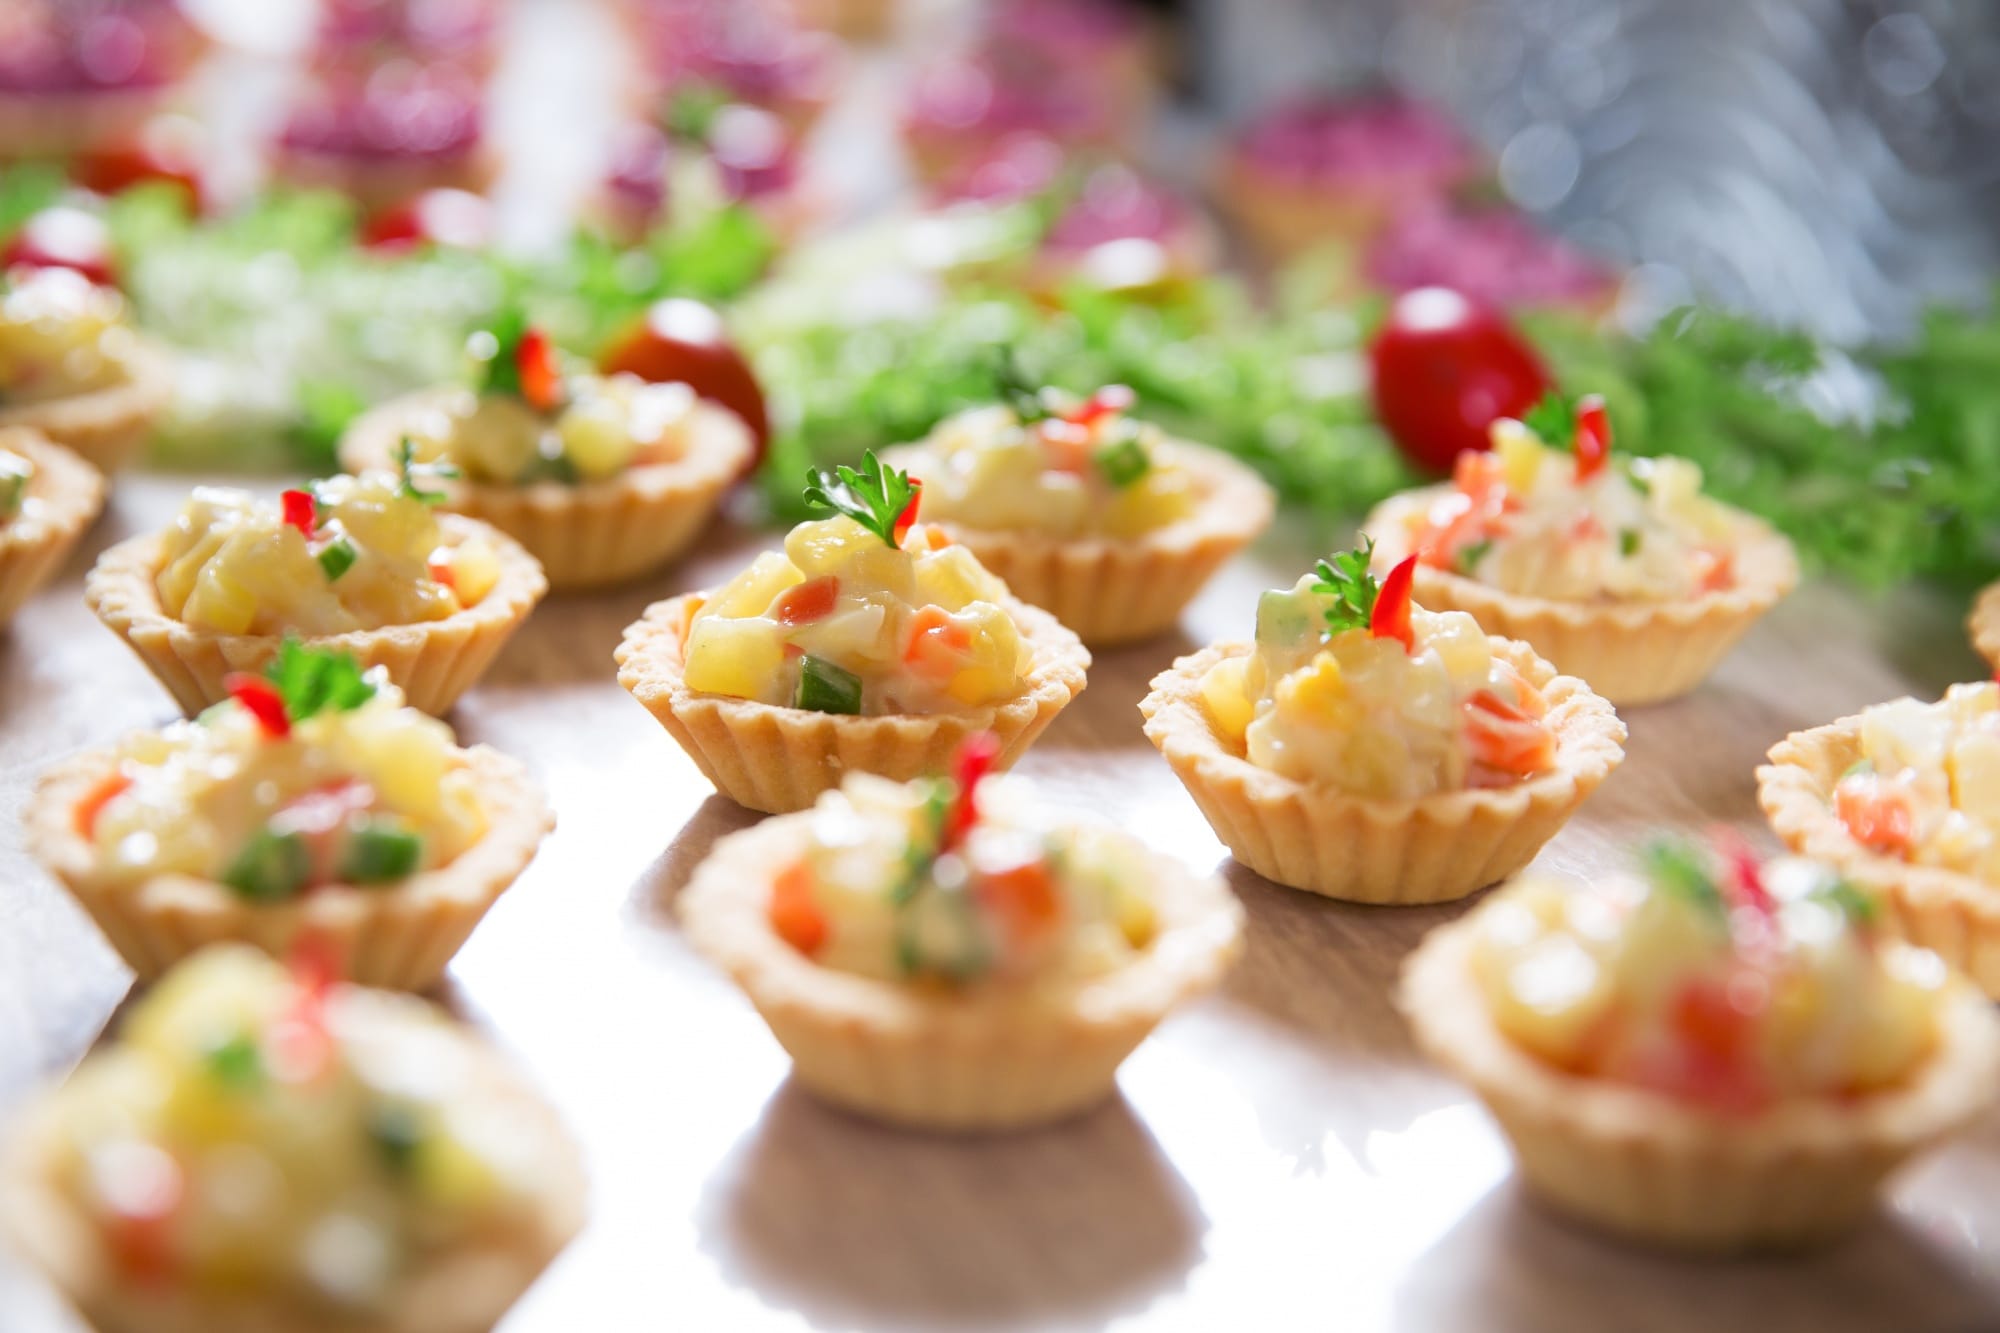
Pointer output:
x,y
685,342
64,237
1445,369
455,218
1391,616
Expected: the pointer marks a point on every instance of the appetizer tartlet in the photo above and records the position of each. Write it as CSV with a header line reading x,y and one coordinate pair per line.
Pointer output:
x,y
75,77
311,803
358,564
601,478
1086,511
947,954
870,644
1618,570
1495,256
381,138
1367,749
1327,169
72,368
1703,1056
48,496
960,109
753,54
261,1149
1904,798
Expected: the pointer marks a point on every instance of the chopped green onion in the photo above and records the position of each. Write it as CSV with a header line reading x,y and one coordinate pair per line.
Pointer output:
x,y
336,558
1470,555
826,688
237,1063
1628,542
381,851
397,1133
1124,462
271,868
13,487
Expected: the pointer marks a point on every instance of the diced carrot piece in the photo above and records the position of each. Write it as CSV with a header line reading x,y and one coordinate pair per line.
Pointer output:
x,y
937,644
1024,897
803,603
107,788
1715,569
795,913
1876,817
1505,737
937,538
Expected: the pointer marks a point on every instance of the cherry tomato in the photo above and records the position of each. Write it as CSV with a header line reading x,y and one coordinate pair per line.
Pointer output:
x,y
63,237
1445,368
683,341
455,218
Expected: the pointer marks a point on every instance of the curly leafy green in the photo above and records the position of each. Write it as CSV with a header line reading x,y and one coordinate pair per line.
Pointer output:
x,y
875,496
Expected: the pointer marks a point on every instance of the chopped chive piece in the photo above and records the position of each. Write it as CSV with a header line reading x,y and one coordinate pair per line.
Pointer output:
x,y
237,1063
1628,542
271,868
397,1133
826,688
381,851
1678,870
1471,554
14,474
311,680
336,558
1124,462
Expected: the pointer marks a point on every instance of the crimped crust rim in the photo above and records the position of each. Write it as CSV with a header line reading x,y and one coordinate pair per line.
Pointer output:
x,y
1982,624
147,385
71,498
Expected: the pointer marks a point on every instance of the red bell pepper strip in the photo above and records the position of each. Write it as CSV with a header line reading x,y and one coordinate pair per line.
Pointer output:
x,y
975,760
1391,616
1107,401
300,1041
261,698
909,514
1593,436
541,378
301,511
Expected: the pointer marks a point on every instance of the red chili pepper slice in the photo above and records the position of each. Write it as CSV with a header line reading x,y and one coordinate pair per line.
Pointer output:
x,y
541,378
1107,401
1593,436
1746,872
301,511
1391,617
909,514
974,761
262,700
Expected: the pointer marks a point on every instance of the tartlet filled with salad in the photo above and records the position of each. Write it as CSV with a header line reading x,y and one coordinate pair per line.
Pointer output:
x,y
48,496
1085,510
1617,569
262,1148
364,565
1368,749
1904,798
311,803
870,643
1711,1053
948,953
601,478
73,368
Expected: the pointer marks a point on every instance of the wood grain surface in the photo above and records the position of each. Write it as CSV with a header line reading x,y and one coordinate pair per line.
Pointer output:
x,y
1278,1157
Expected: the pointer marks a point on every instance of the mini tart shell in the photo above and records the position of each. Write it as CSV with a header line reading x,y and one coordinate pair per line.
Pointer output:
x,y
778,759
1657,1170
392,936
434,662
1951,913
1433,849
988,1058
461,1290
33,545
594,533
1114,591
1630,652
106,427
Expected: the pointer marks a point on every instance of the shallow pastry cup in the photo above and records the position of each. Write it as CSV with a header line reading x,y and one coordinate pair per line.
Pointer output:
x,y
1113,591
396,937
1630,652
106,427
1657,1170
595,533
34,544
1433,849
461,1290
990,1058
433,662
1951,913
780,759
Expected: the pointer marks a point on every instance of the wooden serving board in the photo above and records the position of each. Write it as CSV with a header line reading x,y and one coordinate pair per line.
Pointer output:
x,y
1279,1157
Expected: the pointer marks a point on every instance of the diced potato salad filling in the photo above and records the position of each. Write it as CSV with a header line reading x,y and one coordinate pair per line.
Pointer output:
x,y
1927,785
351,553
1541,521
900,883
1320,700
841,621
600,427
1711,979
253,1132
60,335
1056,465
314,774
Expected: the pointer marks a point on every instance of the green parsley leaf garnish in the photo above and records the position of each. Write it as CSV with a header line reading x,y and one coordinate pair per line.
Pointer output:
x,y
874,496
1628,542
1345,579
410,472
1679,871
496,348
1553,419
314,680
1014,387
